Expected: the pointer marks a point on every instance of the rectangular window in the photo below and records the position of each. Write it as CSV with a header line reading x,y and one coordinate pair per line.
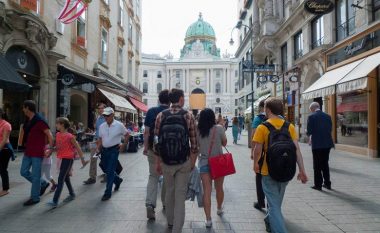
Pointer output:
x,y
130,29
159,74
317,33
121,13
236,102
130,70
236,73
177,74
81,28
217,73
120,61
138,7
352,118
298,45
284,57
104,47
145,101
345,18
376,10
145,73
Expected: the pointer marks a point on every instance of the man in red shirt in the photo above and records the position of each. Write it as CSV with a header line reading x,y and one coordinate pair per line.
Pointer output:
x,y
36,134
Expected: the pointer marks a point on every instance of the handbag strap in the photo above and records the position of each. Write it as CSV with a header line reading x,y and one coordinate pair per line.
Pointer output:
x,y
212,141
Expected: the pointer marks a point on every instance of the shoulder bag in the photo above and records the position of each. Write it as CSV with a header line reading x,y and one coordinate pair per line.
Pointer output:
x,y
220,165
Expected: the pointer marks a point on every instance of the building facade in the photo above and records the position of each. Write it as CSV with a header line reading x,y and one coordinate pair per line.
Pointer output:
x,y
200,69
307,49
69,65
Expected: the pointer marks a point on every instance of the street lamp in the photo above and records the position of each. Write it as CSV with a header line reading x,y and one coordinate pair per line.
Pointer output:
x,y
249,64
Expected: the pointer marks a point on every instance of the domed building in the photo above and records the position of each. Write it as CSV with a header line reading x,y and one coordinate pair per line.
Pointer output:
x,y
198,33
207,79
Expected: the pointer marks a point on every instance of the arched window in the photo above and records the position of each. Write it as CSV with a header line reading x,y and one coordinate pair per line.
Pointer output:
x,y
218,88
159,87
145,88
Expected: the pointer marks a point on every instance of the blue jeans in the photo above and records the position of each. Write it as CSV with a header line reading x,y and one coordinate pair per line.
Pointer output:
x,y
33,177
274,192
110,157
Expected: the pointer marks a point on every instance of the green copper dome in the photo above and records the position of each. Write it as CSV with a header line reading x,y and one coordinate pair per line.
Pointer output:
x,y
200,29
200,40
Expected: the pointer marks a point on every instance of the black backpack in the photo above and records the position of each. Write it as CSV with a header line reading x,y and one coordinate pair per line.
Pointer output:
x,y
173,139
281,154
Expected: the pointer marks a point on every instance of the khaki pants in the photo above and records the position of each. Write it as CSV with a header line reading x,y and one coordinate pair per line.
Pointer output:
x,y
176,180
152,187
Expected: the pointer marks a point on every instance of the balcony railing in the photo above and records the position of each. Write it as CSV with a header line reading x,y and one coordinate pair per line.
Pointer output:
x,y
346,29
317,43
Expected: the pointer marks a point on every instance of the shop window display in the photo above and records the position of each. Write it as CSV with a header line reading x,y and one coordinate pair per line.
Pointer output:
x,y
352,118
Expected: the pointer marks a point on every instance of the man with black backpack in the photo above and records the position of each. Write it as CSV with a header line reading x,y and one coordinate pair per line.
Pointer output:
x,y
177,152
258,120
281,154
152,186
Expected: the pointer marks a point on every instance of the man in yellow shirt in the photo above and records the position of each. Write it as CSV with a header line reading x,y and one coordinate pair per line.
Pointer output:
x,y
274,190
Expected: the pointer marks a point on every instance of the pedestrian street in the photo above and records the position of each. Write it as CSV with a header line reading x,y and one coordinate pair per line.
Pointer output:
x,y
352,206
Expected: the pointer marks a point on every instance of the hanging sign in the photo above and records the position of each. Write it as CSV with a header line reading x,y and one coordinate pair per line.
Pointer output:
x,y
319,7
29,4
72,10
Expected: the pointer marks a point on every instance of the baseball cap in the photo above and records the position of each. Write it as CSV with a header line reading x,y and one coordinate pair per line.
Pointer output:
x,y
108,111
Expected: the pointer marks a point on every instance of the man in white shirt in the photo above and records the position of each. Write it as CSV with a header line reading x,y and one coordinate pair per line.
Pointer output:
x,y
109,142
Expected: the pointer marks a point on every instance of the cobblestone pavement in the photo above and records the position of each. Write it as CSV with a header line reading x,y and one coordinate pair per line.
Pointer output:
x,y
352,206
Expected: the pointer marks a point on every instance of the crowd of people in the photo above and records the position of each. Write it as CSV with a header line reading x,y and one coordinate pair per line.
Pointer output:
x,y
174,140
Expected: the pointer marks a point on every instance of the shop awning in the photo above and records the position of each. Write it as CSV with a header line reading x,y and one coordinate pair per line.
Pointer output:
x,y
357,78
326,84
138,104
81,76
121,103
9,78
256,103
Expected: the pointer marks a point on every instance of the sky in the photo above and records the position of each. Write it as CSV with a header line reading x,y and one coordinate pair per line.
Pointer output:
x,y
164,23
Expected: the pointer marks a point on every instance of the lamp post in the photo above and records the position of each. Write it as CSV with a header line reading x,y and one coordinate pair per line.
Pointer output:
x,y
248,64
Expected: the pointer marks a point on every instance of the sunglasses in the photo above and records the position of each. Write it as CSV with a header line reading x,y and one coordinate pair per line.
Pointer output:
x,y
106,115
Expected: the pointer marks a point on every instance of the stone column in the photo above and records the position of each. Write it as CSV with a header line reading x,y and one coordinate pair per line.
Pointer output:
x,y
188,81
183,85
208,90
256,18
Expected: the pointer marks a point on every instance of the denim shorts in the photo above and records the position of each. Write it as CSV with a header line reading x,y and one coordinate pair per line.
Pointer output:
x,y
204,169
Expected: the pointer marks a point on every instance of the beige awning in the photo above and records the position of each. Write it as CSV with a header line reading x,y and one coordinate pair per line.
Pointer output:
x,y
326,84
121,103
357,78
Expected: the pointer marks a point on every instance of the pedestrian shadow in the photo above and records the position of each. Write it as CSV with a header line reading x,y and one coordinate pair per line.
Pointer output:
x,y
361,203
349,173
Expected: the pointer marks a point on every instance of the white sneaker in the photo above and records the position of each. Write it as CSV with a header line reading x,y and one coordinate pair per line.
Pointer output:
x,y
208,223
220,211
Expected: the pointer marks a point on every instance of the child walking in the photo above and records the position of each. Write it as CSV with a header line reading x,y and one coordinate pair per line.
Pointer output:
x,y
66,146
45,170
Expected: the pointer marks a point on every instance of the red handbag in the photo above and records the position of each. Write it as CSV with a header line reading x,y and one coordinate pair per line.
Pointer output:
x,y
220,165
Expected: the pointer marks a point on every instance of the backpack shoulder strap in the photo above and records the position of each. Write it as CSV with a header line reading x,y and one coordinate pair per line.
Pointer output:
x,y
285,127
270,127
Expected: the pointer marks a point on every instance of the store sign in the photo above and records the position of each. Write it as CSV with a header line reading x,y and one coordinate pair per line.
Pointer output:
x,y
319,7
248,66
362,44
29,4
